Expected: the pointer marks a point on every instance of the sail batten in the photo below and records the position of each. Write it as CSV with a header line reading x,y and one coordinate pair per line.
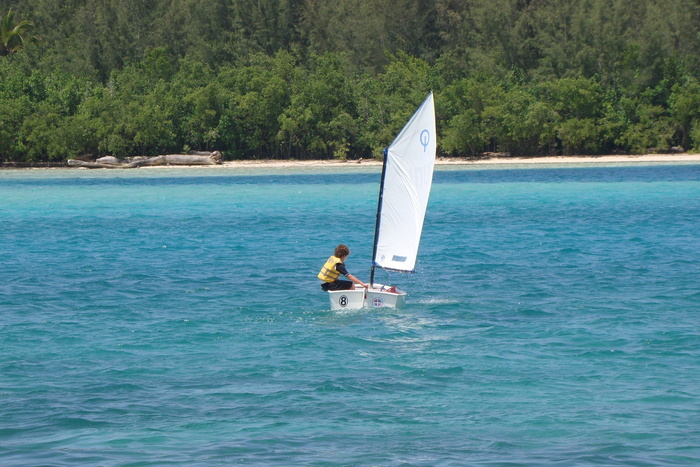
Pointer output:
x,y
405,188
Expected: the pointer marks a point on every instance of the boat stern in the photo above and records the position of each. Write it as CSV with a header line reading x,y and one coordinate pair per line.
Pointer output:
x,y
347,299
382,296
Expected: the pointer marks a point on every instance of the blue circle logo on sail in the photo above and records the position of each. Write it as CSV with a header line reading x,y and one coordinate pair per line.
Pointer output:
x,y
424,139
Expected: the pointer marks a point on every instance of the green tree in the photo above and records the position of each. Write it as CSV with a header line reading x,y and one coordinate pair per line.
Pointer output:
x,y
14,36
266,26
312,78
370,31
579,105
386,102
684,105
647,127
466,129
320,120
522,124
15,104
13,111
261,90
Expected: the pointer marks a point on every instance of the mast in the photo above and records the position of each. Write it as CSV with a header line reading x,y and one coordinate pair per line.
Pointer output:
x,y
379,217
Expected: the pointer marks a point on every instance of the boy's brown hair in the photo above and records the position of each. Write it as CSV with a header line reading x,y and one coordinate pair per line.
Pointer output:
x,y
341,251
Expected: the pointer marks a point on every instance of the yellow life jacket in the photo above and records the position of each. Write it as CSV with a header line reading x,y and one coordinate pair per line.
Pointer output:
x,y
328,272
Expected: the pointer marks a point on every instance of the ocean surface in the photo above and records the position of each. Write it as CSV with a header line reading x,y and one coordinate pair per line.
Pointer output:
x,y
173,317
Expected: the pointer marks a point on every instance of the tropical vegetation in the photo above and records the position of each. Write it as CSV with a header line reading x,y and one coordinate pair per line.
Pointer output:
x,y
303,79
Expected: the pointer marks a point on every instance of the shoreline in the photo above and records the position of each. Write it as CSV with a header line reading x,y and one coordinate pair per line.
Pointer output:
x,y
448,161
440,161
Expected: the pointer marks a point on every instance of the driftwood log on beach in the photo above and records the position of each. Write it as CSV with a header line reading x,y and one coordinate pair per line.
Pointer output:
x,y
111,162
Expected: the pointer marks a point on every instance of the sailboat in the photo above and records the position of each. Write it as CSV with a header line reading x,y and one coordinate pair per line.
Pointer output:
x,y
407,176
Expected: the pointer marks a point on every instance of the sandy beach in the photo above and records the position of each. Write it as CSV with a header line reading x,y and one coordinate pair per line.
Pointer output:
x,y
497,160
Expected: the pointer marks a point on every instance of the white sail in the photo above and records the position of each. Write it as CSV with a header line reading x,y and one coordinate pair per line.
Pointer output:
x,y
408,176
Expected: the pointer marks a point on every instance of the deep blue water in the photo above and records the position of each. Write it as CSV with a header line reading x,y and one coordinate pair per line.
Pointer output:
x,y
172,317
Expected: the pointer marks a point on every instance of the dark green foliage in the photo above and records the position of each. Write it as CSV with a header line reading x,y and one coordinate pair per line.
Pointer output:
x,y
316,79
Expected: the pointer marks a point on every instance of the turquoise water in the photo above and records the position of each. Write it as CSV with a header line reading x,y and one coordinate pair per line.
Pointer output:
x,y
172,317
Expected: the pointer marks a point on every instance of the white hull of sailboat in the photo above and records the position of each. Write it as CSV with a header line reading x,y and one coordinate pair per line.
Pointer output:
x,y
347,299
378,296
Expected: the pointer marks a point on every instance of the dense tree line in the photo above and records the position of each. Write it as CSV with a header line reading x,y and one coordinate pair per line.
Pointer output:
x,y
317,79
